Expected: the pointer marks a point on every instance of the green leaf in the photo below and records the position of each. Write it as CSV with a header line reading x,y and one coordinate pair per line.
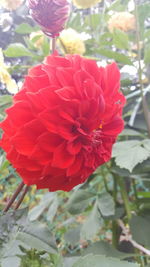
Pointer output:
x,y
143,194
143,13
147,54
25,28
94,20
10,261
106,205
38,236
104,248
52,209
92,225
101,261
129,153
69,261
9,224
72,236
118,5
120,39
3,166
73,22
78,201
115,55
140,230
5,101
17,50
37,211
146,144
130,132
105,38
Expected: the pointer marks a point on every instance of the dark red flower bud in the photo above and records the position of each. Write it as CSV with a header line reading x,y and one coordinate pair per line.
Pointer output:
x,y
51,15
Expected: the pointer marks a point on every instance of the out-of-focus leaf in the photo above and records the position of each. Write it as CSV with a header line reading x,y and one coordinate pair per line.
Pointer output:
x,y
143,13
74,22
120,39
38,236
115,55
105,38
69,261
97,261
78,201
25,28
3,166
93,223
17,50
130,132
52,209
106,205
147,54
10,261
140,230
118,6
5,101
146,144
94,20
37,211
129,153
104,248
143,194
9,224
72,236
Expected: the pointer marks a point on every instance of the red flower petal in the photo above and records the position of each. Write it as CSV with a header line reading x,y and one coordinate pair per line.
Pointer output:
x,y
63,122
62,158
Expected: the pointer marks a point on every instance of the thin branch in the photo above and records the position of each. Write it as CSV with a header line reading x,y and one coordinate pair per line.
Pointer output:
x,y
128,237
11,201
22,197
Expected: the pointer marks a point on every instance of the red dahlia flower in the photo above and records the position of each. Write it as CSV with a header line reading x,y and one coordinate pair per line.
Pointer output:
x,y
51,15
63,122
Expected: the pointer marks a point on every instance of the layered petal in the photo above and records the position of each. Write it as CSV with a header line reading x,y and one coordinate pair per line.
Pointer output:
x,y
64,121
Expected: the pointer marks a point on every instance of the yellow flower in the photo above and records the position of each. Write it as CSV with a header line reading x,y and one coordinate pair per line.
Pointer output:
x,y
124,21
71,42
85,3
11,4
37,38
5,77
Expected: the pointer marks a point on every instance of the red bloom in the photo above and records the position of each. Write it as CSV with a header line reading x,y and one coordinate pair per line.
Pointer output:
x,y
63,122
51,15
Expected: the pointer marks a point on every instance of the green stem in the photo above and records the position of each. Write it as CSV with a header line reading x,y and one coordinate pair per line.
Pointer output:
x,y
115,234
115,189
104,180
138,258
53,44
63,46
124,196
135,194
105,183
